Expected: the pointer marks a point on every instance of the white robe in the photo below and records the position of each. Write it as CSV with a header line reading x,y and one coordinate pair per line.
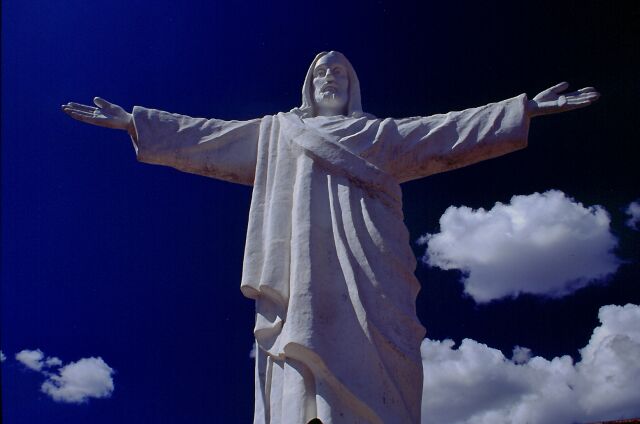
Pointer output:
x,y
327,256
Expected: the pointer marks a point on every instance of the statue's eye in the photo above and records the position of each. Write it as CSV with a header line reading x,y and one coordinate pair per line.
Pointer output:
x,y
321,72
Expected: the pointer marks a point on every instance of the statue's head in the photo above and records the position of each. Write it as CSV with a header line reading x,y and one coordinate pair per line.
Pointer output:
x,y
331,87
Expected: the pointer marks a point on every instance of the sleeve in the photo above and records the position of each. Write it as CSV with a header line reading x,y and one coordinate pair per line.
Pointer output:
x,y
438,143
214,148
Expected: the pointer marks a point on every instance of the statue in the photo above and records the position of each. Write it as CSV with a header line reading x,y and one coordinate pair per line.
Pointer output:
x,y
327,256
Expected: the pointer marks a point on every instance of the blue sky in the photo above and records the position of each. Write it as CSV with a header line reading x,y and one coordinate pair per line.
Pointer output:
x,y
103,257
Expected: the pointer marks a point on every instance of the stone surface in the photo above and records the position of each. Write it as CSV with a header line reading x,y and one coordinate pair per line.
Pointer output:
x,y
327,255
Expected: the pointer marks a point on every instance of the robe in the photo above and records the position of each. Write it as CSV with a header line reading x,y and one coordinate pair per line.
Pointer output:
x,y
327,255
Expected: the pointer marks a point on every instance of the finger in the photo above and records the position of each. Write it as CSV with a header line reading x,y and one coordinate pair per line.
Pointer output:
x,y
578,94
587,90
580,101
577,102
584,96
583,93
576,106
558,88
593,96
102,103
81,111
82,117
80,106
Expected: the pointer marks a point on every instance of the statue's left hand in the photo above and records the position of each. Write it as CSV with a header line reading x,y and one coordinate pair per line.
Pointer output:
x,y
552,100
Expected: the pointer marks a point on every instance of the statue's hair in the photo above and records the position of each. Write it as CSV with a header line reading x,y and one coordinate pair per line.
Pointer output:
x,y
309,109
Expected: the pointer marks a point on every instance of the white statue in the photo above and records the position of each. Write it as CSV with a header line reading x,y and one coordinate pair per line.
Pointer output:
x,y
327,256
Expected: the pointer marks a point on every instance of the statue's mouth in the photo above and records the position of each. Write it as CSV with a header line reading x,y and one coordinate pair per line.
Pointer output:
x,y
329,87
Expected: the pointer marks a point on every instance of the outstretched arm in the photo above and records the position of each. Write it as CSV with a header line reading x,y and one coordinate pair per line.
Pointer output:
x,y
440,143
106,114
214,148
553,100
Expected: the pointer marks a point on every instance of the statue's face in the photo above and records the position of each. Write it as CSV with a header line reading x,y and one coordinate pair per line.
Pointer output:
x,y
331,84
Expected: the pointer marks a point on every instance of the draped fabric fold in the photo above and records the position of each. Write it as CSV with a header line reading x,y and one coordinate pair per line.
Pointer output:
x,y
327,255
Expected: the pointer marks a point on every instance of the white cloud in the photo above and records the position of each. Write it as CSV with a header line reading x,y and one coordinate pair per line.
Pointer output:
x,y
75,382
610,370
2,357
53,362
475,384
35,360
633,210
544,244
78,381
32,359
521,355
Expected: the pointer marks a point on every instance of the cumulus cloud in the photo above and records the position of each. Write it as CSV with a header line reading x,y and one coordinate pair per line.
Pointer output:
x,y
53,362
78,381
2,357
32,359
75,382
544,244
521,355
475,384
633,210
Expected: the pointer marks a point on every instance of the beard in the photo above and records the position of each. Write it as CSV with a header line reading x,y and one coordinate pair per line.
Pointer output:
x,y
331,99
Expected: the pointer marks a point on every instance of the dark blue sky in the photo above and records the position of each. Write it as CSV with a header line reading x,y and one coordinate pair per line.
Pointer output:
x,y
140,265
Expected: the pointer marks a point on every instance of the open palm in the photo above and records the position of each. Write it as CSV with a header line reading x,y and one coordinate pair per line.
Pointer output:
x,y
106,114
553,100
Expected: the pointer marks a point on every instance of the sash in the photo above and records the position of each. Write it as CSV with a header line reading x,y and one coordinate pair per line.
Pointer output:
x,y
329,153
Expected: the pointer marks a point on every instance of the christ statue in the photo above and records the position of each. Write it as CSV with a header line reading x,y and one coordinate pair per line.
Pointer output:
x,y
327,256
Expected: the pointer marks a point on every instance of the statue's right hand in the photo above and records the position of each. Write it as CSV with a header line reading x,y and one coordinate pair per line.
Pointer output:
x,y
105,114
